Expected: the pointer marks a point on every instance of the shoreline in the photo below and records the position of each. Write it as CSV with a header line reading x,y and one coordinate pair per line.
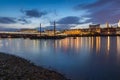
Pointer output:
x,y
16,68
57,37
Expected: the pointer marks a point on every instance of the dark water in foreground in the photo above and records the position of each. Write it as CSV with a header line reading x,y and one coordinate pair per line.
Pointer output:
x,y
83,58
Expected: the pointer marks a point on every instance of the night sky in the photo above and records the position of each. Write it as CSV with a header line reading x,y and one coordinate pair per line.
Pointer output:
x,y
66,13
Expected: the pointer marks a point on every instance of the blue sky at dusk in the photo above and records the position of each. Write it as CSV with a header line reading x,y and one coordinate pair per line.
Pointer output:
x,y
66,13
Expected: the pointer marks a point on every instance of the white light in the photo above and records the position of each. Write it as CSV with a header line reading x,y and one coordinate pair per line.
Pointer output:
x,y
119,23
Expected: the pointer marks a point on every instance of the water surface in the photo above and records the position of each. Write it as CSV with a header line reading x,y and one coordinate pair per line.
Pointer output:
x,y
83,58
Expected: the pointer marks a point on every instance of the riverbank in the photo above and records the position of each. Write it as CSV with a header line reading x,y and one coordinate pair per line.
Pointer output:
x,y
16,68
30,36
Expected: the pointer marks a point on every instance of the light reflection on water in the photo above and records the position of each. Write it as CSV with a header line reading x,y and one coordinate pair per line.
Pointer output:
x,y
86,58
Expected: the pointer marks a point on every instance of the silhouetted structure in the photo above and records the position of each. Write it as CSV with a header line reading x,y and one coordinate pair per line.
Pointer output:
x,y
54,28
40,29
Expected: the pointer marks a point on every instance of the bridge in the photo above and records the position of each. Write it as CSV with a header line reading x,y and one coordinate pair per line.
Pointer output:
x,y
30,35
4,34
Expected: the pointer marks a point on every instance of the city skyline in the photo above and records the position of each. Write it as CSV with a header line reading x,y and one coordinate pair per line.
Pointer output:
x,y
66,13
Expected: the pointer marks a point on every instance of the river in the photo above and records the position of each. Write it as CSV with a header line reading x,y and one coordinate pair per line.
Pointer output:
x,y
83,58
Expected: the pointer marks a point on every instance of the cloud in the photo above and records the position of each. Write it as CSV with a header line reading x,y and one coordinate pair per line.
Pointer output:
x,y
34,13
58,27
7,20
12,20
19,25
69,20
102,11
23,21
66,22
84,25
65,26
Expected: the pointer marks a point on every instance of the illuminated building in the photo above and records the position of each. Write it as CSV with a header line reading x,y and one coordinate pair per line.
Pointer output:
x,y
51,32
108,30
95,28
118,30
119,23
85,31
107,24
73,32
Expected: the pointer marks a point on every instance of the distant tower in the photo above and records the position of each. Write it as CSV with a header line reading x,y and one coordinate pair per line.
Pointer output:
x,y
107,24
40,29
119,23
54,28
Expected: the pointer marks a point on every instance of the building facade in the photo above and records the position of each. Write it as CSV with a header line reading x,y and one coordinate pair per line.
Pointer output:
x,y
95,28
73,32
